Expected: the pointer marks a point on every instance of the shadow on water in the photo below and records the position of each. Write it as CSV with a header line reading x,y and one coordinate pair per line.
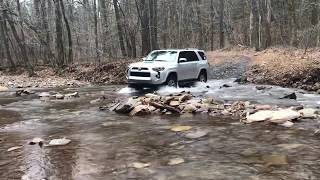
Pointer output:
x,y
104,144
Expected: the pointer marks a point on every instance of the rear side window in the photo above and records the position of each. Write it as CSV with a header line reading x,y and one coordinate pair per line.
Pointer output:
x,y
203,56
189,55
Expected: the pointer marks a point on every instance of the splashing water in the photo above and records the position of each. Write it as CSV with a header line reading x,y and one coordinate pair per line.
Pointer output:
x,y
127,90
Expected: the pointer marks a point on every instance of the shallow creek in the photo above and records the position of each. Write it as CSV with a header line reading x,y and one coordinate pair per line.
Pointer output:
x,y
104,144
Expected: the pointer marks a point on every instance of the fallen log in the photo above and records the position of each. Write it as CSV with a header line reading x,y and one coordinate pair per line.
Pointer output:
x,y
164,106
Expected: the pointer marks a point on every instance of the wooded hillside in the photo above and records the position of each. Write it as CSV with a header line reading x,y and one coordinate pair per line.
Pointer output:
x,y
62,32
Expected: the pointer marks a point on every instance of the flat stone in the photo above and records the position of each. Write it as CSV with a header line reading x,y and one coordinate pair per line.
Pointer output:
x,y
309,113
180,128
283,115
59,96
275,160
44,94
14,148
139,165
279,116
287,124
174,103
175,161
3,88
72,95
59,142
263,107
197,134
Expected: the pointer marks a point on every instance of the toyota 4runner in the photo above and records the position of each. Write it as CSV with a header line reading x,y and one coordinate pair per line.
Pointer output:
x,y
169,67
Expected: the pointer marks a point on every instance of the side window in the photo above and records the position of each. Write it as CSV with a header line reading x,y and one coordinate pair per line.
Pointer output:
x,y
189,55
203,56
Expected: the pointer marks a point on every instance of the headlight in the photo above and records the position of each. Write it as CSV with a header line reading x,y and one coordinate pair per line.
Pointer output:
x,y
157,69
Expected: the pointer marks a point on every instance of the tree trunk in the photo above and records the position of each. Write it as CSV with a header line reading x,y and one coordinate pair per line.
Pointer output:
x,y
145,32
105,28
119,26
293,23
59,33
21,42
153,23
211,25
254,25
268,23
96,42
221,24
315,20
3,30
66,22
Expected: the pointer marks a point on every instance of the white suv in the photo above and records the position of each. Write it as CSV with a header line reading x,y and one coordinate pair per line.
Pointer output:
x,y
169,67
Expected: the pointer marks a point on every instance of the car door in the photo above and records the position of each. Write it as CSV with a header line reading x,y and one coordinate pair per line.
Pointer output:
x,y
187,69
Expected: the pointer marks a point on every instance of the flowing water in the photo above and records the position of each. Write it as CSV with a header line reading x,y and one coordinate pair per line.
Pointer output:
x,y
104,144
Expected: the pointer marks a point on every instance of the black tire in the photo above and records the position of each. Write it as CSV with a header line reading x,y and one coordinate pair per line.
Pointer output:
x,y
172,80
203,77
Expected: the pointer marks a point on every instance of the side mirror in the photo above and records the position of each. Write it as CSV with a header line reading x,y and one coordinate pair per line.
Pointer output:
x,y
144,58
182,60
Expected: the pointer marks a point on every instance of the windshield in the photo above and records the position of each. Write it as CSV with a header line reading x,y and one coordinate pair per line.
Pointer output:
x,y
168,56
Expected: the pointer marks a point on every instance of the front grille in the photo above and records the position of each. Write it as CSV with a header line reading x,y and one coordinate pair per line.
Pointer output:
x,y
140,74
136,68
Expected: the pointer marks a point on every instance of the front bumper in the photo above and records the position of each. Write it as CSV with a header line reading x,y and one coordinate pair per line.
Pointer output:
x,y
156,78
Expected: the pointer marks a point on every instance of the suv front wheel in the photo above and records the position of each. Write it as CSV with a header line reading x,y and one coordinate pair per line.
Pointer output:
x,y
172,80
203,77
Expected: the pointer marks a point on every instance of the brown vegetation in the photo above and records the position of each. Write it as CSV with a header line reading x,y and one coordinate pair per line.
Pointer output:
x,y
288,67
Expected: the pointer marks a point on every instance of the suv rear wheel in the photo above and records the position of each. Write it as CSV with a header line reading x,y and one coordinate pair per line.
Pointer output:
x,y
172,80
203,77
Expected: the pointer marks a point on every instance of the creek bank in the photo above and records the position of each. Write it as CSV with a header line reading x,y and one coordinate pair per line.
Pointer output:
x,y
286,67
76,75
184,104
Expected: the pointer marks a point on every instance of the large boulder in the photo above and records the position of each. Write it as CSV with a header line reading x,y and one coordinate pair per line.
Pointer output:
x,y
309,113
174,103
125,108
284,115
279,116
140,110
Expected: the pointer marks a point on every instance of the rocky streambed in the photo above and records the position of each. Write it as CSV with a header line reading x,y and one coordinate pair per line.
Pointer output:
x,y
186,104
219,130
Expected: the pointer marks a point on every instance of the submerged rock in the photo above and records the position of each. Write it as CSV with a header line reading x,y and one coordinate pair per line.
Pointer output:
x,y
275,160
14,148
139,165
197,134
59,142
290,96
59,96
72,95
180,128
3,88
287,124
175,161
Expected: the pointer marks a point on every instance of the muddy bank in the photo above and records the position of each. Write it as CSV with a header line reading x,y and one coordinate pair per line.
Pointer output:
x,y
286,67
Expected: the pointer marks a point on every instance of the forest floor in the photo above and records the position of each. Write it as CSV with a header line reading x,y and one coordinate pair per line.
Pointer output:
x,y
287,67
